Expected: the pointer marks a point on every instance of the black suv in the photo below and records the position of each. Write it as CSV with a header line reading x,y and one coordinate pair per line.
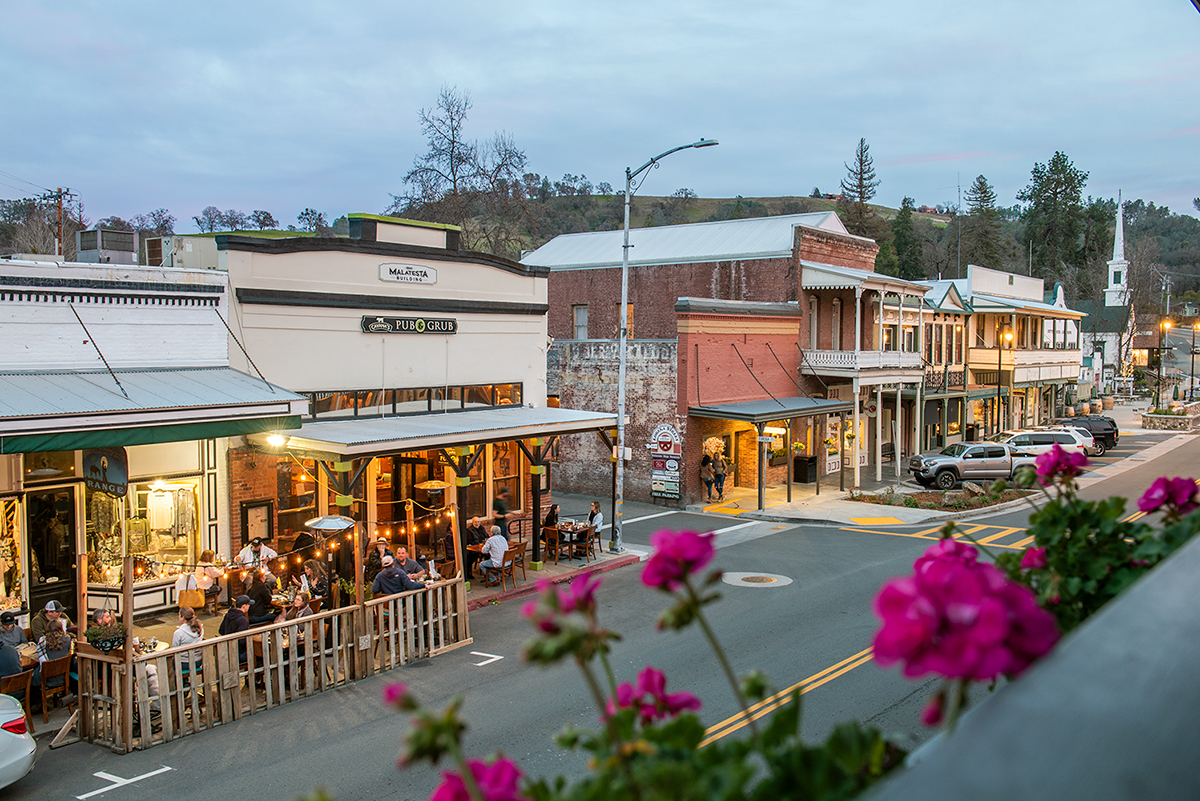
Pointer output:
x,y
1103,429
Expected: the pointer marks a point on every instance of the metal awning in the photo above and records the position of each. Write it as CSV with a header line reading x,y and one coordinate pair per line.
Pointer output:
x,y
62,410
376,436
766,411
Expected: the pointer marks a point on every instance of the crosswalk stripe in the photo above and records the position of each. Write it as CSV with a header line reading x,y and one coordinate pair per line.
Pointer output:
x,y
1022,543
1004,532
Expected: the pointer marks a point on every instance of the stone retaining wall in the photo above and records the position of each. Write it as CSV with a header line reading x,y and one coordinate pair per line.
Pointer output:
x,y
1168,422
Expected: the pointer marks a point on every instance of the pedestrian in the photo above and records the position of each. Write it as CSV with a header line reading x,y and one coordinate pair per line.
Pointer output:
x,y
719,467
706,474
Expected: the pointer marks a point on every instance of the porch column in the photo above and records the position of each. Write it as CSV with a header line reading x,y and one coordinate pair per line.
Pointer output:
x,y
919,419
854,443
762,468
920,409
944,422
879,338
857,322
899,427
879,432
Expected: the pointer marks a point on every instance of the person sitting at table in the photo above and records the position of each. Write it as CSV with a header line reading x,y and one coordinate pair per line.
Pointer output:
x,y
190,630
236,621
54,644
10,632
374,563
596,517
550,521
208,578
314,582
298,609
260,601
256,556
392,579
410,566
10,661
103,617
53,616
494,550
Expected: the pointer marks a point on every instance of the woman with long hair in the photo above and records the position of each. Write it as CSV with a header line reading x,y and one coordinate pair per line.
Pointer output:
x,y
190,631
314,582
208,578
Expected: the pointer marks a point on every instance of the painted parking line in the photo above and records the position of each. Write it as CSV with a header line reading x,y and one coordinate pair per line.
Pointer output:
x,y
1004,532
781,698
877,521
117,781
970,533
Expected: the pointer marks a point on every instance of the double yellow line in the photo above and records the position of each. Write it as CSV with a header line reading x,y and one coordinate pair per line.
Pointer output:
x,y
769,705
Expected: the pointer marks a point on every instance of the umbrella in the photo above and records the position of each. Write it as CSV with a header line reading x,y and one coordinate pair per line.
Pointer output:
x,y
330,523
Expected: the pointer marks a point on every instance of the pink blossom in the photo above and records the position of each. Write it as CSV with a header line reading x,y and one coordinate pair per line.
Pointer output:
x,y
497,782
960,618
1059,463
1033,559
580,595
397,695
676,556
650,697
931,715
1177,494
544,619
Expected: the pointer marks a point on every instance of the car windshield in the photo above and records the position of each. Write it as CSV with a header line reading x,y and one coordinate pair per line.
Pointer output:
x,y
954,450
1003,435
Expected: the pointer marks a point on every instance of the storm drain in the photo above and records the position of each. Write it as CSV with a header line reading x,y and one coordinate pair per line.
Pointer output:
x,y
757,580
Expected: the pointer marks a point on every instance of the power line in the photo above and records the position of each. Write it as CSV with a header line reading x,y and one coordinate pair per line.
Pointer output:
x,y
22,180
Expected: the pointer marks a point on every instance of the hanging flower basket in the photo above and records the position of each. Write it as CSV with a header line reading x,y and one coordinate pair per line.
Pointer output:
x,y
108,644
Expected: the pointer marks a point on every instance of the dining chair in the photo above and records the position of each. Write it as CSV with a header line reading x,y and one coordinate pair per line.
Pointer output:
x,y
519,561
587,541
19,683
51,669
555,543
495,575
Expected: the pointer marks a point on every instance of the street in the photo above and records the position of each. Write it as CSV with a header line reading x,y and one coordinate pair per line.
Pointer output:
x,y
347,742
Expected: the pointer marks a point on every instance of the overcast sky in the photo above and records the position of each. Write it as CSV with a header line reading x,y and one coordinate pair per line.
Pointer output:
x,y
278,106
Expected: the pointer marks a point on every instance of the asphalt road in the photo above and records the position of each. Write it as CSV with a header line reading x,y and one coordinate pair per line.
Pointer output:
x,y
347,742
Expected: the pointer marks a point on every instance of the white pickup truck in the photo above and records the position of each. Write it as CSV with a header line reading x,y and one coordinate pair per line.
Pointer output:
x,y
968,461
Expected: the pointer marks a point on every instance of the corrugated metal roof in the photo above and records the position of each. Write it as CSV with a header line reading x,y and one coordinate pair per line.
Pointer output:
x,y
768,410
814,275
366,436
758,237
75,392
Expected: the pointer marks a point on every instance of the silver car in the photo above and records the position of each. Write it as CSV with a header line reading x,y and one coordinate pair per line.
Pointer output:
x,y
17,748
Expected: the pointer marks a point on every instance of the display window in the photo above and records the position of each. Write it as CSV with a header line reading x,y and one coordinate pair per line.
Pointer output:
x,y
11,580
161,530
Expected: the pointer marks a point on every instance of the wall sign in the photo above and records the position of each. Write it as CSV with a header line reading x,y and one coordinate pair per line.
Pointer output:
x,y
106,470
666,452
407,273
409,325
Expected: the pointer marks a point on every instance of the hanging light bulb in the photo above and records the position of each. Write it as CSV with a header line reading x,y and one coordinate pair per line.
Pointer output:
x,y
319,553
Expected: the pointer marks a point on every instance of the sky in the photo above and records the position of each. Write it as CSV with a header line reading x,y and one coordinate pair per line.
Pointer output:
x,y
267,105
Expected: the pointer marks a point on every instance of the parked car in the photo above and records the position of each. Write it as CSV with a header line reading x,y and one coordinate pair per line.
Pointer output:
x,y
1103,429
1040,440
968,461
17,748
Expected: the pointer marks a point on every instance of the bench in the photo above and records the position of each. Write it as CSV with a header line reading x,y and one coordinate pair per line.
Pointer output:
x,y
888,451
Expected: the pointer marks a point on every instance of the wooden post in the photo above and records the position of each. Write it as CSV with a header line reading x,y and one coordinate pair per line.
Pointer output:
x,y
410,526
460,557
360,610
127,674
81,594
536,527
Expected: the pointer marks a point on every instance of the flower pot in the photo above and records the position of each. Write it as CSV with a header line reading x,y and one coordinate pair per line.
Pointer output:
x,y
108,644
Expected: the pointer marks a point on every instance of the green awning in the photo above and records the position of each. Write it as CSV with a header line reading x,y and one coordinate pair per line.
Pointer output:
x,y
148,435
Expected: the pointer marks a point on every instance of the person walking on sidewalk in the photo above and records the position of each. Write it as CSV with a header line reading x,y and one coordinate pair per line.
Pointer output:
x,y
719,466
707,475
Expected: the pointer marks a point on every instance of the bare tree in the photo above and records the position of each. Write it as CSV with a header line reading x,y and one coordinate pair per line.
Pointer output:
x,y
312,220
209,219
263,220
32,225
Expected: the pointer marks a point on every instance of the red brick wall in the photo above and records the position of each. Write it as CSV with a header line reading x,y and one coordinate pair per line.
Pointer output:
x,y
252,477
826,247
723,377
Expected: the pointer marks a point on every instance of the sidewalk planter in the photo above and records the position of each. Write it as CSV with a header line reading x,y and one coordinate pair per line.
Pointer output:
x,y
804,469
1167,422
777,460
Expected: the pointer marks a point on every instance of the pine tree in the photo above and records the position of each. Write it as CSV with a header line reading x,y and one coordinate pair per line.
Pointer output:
x,y
904,239
1054,217
858,187
981,231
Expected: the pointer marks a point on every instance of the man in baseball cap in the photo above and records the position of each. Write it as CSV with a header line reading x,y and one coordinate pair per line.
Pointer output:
x,y
236,620
10,632
52,615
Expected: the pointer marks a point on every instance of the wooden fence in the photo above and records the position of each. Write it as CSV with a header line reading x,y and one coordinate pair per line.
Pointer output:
x,y
134,703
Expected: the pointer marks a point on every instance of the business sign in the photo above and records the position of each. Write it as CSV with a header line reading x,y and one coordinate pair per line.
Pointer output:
x,y
408,325
407,273
106,470
666,455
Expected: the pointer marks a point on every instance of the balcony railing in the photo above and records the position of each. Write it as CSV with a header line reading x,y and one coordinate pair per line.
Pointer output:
x,y
862,360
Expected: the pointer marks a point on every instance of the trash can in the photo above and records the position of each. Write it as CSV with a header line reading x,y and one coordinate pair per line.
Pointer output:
x,y
804,469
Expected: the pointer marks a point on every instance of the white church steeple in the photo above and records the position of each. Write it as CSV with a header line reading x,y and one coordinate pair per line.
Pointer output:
x,y
1117,292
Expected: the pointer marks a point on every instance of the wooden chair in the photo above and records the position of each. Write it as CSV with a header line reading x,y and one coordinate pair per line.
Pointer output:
x,y
584,546
519,561
495,575
314,605
50,669
20,683
555,543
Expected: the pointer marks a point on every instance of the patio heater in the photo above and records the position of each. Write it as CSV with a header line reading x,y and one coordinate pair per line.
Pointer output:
x,y
332,526
435,487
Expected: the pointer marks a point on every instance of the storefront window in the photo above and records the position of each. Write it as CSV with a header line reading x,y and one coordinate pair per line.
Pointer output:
x,y
446,398
478,396
472,498
508,393
506,471
409,401
297,494
102,537
162,526
10,553
49,466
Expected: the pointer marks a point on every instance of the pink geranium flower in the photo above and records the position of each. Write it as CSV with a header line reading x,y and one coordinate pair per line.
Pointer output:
x,y
932,714
960,618
580,595
397,695
1033,559
677,554
497,782
1177,494
1057,463
650,697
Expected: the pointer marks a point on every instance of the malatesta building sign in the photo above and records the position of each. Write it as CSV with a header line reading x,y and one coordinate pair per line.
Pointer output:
x,y
409,325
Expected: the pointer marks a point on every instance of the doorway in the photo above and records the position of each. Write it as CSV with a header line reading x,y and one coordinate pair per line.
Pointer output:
x,y
51,526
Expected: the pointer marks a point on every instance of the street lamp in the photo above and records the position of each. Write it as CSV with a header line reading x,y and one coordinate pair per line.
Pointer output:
x,y
1192,383
614,544
1007,336
1163,334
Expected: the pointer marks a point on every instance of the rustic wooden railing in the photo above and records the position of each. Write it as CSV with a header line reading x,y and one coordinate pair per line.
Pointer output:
x,y
181,691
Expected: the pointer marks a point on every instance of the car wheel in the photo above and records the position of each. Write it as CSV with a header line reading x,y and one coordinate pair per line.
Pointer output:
x,y
1099,448
946,480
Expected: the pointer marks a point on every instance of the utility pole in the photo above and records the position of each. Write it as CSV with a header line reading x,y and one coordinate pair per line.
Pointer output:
x,y
57,196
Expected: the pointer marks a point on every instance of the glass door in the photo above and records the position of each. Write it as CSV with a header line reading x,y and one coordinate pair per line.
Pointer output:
x,y
51,530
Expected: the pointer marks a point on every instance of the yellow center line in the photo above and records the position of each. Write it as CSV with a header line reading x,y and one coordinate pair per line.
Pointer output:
x,y
768,705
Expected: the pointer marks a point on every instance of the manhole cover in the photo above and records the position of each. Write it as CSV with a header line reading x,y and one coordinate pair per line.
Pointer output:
x,y
755,580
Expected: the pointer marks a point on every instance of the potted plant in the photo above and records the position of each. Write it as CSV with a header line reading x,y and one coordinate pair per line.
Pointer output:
x,y
106,638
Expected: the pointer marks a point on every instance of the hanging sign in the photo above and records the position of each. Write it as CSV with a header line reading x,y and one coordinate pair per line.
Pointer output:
x,y
407,273
409,325
106,470
666,451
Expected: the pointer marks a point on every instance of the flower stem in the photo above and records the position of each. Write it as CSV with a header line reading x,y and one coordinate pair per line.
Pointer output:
x,y
958,703
608,672
720,652
613,735
468,777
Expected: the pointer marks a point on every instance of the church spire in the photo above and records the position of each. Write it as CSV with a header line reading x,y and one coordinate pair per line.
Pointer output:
x,y
1119,239
1117,292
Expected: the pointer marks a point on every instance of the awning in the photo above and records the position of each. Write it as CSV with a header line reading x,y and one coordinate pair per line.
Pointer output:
x,y
67,410
376,436
766,411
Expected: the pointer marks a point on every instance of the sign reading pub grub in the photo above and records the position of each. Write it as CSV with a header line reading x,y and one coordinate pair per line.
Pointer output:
x,y
407,273
409,325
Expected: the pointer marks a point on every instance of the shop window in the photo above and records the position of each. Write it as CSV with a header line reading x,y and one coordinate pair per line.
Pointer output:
x,y
162,530
478,396
579,317
11,590
506,471
49,466
446,399
297,494
508,394
472,499
335,404
409,401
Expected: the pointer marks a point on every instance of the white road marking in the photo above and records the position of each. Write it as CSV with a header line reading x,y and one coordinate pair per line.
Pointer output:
x,y
491,658
117,781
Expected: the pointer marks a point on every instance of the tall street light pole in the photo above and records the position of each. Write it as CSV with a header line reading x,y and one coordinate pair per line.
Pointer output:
x,y
1164,332
1192,383
1007,336
615,545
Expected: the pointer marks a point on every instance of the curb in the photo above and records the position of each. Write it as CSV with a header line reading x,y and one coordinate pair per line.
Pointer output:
x,y
935,517
531,587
